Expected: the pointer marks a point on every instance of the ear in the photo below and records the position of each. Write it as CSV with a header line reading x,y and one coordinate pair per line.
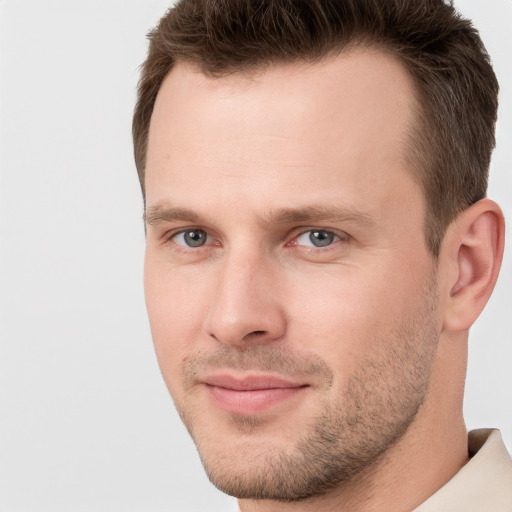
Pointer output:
x,y
473,250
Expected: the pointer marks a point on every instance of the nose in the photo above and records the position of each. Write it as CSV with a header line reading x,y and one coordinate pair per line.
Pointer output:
x,y
245,307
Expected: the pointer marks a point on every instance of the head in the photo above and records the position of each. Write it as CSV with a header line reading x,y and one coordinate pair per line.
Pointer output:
x,y
317,237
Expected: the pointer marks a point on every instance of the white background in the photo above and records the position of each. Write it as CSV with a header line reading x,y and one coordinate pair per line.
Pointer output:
x,y
85,420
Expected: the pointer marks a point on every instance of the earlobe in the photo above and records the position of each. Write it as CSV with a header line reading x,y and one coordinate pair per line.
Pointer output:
x,y
475,245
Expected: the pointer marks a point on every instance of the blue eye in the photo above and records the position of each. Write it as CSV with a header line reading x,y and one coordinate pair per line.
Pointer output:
x,y
191,238
317,238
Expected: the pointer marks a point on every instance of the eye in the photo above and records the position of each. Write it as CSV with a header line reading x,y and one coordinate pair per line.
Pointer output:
x,y
317,238
191,238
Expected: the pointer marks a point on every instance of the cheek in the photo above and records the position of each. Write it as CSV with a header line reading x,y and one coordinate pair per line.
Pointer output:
x,y
342,316
175,313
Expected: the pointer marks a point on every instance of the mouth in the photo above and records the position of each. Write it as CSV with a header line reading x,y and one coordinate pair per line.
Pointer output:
x,y
250,394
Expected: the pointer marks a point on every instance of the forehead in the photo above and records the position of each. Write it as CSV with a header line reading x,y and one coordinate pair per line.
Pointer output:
x,y
346,117
367,73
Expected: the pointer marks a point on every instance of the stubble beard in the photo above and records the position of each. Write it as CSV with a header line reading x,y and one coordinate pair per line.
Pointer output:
x,y
349,436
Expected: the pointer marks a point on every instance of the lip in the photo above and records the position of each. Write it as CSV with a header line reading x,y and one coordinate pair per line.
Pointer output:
x,y
250,394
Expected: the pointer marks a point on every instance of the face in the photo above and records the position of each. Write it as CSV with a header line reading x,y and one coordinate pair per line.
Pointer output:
x,y
291,297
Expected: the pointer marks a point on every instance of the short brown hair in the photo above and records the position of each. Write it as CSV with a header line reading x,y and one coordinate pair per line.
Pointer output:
x,y
457,90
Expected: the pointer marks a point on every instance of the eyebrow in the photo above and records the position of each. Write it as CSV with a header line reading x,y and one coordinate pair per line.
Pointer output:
x,y
320,213
159,213
162,213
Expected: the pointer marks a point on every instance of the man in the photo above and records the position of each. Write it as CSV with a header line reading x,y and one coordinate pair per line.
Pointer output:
x,y
319,243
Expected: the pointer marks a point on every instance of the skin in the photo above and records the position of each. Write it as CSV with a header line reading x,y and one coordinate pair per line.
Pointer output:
x,y
369,330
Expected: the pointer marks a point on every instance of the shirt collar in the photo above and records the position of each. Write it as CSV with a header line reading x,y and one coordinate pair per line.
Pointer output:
x,y
484,483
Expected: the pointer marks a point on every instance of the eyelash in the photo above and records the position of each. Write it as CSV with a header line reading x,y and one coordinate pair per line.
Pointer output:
x,y
338,237
331,235
173,235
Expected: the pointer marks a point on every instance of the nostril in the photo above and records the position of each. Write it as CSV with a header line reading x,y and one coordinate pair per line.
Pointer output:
x,y
254,334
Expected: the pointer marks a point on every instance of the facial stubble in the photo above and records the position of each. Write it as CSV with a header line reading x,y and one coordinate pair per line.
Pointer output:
x,y
346,437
